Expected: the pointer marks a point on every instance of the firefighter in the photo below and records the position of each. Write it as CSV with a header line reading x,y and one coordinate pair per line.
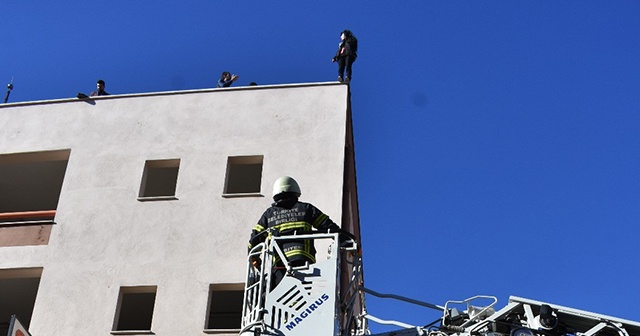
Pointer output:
x,y
288,216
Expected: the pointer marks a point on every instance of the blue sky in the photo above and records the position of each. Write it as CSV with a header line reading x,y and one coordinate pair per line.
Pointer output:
x,y
497,142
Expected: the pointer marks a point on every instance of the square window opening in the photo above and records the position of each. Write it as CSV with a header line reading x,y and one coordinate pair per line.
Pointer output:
x,y
135,308
225,306
244,174
160,178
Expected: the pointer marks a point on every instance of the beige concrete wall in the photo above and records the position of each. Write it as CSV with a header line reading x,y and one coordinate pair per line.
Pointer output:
x,y
105,238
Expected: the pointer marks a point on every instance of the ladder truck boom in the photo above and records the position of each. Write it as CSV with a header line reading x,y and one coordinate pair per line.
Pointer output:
x,y
326,298
314,299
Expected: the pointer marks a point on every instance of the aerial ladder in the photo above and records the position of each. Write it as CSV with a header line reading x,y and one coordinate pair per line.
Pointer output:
x,y
327,299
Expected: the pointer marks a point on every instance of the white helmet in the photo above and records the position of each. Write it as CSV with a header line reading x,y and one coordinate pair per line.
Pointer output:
x,y
285,184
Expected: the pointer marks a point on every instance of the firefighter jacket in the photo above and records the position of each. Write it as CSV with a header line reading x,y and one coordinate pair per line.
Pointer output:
x,y
289,217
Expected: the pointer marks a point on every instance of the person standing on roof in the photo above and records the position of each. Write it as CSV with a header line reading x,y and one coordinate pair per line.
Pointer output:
x,y
100,89
346,54
287,216
226,79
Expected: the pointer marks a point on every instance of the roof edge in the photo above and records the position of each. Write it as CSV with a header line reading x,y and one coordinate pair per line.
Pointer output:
x,y
168,93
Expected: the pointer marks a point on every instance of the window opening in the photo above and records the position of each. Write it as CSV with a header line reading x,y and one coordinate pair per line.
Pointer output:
x,y
159,179
135,308
32,181
225,306
244,175
18,291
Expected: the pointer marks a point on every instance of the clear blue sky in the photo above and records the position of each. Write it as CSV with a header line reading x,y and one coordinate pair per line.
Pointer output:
x,y
497,142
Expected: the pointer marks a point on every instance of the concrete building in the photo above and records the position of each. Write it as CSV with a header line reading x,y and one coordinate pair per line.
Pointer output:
x,y
130,214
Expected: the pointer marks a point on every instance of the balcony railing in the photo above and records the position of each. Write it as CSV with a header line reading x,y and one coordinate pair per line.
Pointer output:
x,y
27,217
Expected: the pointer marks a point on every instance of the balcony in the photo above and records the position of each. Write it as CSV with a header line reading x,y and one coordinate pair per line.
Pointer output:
x,y
30,186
